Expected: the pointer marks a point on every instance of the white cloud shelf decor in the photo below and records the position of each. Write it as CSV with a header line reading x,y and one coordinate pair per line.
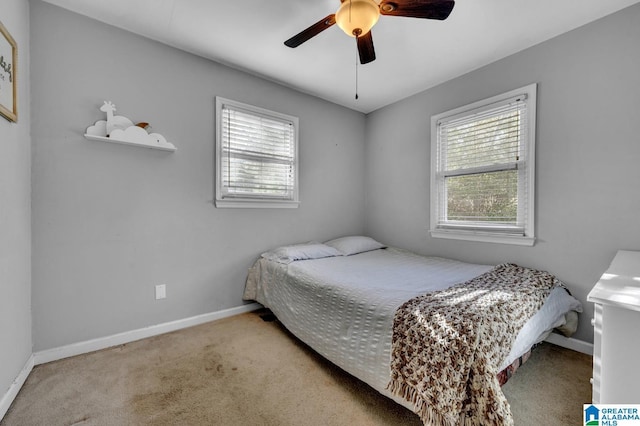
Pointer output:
x,y
119,129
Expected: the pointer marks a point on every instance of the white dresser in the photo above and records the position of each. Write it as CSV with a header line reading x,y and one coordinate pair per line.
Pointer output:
x,y
616,342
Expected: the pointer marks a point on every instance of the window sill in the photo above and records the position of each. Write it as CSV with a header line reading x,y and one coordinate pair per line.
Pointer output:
x,y
485,237
256,204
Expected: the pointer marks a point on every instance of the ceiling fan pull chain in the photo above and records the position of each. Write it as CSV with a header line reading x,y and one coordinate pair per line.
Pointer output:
x,y
356,68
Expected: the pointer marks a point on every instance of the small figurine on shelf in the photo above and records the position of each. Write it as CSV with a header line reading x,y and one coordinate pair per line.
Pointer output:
x,y
144,125
114,121
119,129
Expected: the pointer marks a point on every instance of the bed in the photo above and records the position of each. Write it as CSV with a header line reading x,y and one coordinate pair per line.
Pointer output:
x,y
343,298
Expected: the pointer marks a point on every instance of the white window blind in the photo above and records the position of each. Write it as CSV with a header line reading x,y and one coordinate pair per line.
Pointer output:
x,y
482,176
257,157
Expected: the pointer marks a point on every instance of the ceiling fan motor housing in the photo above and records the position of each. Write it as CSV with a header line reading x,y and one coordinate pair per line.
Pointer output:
x,y
357,17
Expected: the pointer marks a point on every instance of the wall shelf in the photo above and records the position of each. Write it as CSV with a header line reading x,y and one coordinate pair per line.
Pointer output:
x,y
121,130
164,147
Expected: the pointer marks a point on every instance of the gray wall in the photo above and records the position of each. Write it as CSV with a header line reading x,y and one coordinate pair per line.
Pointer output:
x,y
588,148
15,211
111,221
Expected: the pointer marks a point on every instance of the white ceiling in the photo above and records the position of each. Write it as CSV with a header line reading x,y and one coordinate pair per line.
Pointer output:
x,y
412,54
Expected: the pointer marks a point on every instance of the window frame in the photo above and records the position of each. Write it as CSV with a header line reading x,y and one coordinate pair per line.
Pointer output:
x,y
256,201
493,234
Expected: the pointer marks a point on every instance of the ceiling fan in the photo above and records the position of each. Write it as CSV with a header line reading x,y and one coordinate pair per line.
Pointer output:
x,y
357,17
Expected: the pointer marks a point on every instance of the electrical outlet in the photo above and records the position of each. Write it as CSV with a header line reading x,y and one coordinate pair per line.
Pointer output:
x,y
161,291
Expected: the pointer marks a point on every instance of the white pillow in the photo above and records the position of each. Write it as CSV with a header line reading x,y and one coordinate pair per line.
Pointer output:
x,y
355,244
288,254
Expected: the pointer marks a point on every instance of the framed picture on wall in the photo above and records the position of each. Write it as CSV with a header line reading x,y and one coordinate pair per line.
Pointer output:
x,y
8,59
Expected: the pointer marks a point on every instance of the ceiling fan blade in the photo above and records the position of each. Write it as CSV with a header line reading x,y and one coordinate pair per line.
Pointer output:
x,y
426,9
312,31
365,48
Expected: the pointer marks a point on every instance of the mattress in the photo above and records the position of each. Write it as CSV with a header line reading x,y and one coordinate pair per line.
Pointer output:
x,y
343,306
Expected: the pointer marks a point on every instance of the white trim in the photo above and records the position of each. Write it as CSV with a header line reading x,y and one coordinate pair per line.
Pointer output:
x,y
530,91
485,237
256,204
12,392
252,202
570,343
133,335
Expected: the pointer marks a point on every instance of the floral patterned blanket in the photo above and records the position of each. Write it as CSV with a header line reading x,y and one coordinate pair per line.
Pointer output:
x,y
448,345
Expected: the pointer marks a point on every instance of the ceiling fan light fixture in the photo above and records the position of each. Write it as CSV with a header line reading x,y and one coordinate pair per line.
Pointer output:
x,y
356,17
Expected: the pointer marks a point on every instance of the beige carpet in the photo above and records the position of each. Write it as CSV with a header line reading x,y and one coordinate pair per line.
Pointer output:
x,y
246,371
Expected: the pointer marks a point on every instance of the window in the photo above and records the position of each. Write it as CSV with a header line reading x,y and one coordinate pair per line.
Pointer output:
x,y
256,156
482,170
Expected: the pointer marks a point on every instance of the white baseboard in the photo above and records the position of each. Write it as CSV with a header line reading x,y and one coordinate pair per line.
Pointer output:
x,y
570,343
15,387
87,346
